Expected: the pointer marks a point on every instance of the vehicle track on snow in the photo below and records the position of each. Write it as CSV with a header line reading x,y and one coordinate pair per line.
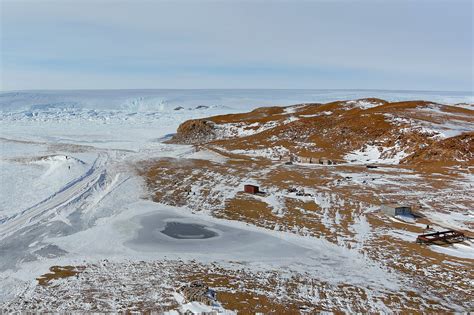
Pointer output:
x,y
74,190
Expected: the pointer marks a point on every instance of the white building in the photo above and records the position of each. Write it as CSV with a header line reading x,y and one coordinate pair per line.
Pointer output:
x,y
396,209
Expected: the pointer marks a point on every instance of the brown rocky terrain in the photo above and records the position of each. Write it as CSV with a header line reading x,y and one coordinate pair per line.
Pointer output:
x,y
420,130
447,151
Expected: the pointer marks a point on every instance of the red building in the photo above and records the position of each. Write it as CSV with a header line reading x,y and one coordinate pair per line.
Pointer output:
x,y
251,189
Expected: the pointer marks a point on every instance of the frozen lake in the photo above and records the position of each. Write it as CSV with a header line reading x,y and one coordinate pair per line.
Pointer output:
x,y
166,232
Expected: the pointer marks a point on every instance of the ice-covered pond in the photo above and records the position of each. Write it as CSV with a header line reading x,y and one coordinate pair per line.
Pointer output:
x,y
167,232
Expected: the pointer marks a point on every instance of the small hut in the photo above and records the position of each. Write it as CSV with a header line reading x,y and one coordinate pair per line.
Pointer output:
x,y
396,209
324,161
251,189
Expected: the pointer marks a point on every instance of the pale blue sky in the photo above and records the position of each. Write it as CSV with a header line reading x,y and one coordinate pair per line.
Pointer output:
x,y
357,44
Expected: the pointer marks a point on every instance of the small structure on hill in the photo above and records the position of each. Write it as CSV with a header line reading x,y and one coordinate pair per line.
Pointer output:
x,y
441,238
308,160
251,189
396,209
299,191
196,291
305,159
325,161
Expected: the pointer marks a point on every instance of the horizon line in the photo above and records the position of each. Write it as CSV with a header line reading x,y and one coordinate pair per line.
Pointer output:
x,y
233,89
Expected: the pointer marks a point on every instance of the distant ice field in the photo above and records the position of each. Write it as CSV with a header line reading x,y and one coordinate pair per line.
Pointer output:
x,y
159,100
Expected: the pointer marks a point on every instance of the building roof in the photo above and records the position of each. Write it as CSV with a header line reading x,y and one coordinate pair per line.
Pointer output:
x,y
395,205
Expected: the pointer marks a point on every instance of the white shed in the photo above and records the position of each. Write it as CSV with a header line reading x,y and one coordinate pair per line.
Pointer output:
x,y
396,209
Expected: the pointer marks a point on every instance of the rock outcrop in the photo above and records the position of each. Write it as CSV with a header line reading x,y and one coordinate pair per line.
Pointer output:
x,y
196,131
454,150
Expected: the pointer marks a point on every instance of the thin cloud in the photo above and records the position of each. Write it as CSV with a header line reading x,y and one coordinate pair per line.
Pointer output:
x,y
328,44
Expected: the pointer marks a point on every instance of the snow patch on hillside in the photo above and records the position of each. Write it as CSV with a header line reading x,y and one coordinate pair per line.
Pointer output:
x,y
196,308
363,104
457,250
237,130
436,130
206,155
274,153
376,154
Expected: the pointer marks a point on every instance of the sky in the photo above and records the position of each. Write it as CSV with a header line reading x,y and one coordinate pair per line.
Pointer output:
x,y
339,44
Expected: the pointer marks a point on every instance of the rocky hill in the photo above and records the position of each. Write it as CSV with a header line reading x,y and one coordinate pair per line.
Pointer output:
x,y
448,151
359,131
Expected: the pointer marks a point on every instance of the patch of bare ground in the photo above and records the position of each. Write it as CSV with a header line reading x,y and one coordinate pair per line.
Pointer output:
x,y
59,272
